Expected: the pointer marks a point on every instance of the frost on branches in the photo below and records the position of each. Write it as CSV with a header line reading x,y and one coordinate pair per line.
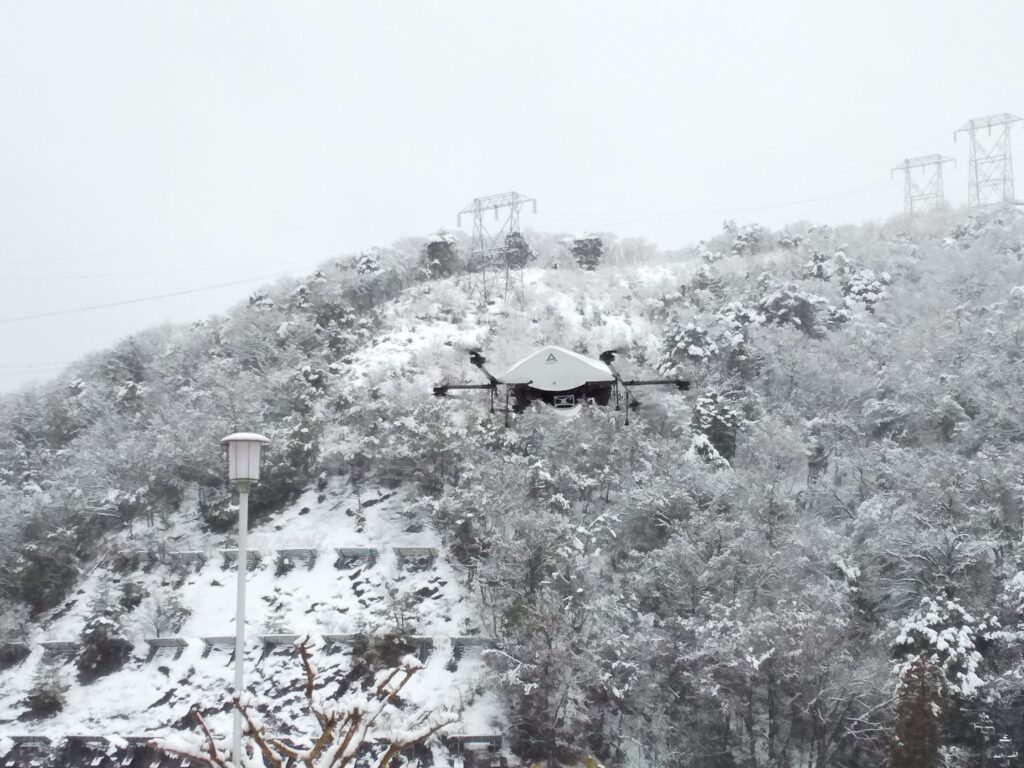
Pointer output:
x,y
357,724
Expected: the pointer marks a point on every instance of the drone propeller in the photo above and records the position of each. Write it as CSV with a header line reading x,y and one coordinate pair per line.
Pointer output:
x,y
608,356
477,360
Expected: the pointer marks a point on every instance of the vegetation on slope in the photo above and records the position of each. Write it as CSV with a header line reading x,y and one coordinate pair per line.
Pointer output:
x,y
785,568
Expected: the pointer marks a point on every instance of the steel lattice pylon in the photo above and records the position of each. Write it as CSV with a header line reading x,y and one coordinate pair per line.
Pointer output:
x,y
924,193
991,174
490,253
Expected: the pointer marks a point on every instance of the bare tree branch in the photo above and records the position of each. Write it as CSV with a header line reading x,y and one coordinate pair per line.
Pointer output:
x,y
341,734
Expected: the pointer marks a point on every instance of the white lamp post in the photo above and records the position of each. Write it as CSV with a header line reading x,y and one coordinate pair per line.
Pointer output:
x,y
244,449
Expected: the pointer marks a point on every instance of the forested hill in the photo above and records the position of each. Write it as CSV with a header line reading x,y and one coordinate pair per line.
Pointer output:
x,y
810,559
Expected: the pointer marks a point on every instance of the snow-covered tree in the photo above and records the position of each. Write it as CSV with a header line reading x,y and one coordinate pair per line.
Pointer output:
x,y
716,421
587,250
48,693
105,647
162,614
440,255
685,346
863,288
948,639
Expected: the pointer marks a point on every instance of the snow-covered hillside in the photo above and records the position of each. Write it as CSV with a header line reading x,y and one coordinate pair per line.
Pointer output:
x,y
303,582
315,591
765,569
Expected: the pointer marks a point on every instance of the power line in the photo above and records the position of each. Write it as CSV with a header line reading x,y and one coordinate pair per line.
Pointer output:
x,y
74,310
231,237
154,273
726,211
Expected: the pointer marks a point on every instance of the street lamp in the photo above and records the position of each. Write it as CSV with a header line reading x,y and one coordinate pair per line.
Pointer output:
x,y
244,449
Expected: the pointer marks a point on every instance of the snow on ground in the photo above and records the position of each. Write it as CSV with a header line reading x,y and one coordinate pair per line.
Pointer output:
x,y
422,598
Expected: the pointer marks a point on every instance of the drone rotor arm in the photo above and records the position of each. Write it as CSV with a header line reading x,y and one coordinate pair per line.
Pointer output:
x,y
441,390
681,384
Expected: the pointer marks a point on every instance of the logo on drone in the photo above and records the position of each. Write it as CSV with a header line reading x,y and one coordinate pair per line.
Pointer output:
x,y
551,358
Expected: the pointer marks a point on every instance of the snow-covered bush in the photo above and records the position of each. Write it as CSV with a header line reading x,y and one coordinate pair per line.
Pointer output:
x,y
791,306
131,594
105,647
703,449
218,511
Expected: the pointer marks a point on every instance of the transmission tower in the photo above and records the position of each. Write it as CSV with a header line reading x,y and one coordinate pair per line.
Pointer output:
x,y
925,192
991,174
500,251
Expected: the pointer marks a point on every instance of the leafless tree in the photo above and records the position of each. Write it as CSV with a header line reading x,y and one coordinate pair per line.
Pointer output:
x,y
342,730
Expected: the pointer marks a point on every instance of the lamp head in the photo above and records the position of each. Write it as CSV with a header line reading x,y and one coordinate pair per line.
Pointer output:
x,y
244,449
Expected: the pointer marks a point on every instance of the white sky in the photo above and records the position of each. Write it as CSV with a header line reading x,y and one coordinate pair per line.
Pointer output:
x,y
155,147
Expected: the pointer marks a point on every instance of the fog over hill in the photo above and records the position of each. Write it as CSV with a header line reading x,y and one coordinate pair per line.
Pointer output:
x,y
811,558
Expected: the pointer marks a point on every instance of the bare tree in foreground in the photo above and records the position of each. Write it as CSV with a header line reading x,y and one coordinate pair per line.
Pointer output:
x,y
345,724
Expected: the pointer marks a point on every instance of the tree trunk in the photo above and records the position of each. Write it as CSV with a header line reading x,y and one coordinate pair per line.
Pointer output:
x,y
773,730
748,722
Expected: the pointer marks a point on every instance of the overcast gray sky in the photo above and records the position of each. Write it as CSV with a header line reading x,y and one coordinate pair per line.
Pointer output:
x,y
156,147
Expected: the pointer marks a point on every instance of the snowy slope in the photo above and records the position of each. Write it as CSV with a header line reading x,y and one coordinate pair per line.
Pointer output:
x,y
430,327
330,598
427,331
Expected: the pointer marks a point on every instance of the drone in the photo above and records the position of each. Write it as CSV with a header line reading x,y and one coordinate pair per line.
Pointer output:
x,y
561,379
